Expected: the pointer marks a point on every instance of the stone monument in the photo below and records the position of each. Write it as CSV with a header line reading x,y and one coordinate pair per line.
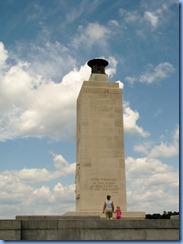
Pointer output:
x,y
100,163
100,167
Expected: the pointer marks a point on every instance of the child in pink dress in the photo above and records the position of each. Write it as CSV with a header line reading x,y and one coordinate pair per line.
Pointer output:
x,y
118,213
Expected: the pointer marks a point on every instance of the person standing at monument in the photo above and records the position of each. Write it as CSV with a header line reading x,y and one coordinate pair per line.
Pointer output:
x,y
118,213
108,207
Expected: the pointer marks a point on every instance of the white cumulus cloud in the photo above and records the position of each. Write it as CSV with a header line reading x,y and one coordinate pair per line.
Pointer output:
x,y
36,175
149,183
26,191
93,33
130,122
152,18
62,165
3,55
147,18
36,106
163,149
153,74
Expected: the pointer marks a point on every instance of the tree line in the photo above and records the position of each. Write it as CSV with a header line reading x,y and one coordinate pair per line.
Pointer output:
x,y
165,215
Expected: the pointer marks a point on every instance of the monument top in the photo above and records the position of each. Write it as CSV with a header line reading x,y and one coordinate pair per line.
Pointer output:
x,y
98,65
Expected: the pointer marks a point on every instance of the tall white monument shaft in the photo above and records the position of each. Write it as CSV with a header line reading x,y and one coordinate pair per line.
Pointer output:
x,y
100,167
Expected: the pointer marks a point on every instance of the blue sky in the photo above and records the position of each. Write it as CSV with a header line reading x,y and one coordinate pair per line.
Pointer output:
x,y
44,48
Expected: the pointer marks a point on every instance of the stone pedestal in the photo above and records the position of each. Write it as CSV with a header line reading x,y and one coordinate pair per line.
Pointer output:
x,y
125,215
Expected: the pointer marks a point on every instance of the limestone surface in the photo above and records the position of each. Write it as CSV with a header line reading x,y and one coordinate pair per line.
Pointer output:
x,y
100,167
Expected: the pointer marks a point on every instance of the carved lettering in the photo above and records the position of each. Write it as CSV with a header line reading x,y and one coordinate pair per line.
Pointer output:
x,y
104,184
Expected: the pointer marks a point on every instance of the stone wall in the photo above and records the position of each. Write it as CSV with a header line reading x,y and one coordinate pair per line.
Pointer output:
x,y
65,228
10,230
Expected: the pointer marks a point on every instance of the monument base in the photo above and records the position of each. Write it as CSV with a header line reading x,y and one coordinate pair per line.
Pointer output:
x,y
87,228
125,215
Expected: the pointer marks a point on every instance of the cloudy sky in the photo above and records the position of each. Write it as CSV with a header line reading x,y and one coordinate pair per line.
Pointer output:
x,y
44,48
